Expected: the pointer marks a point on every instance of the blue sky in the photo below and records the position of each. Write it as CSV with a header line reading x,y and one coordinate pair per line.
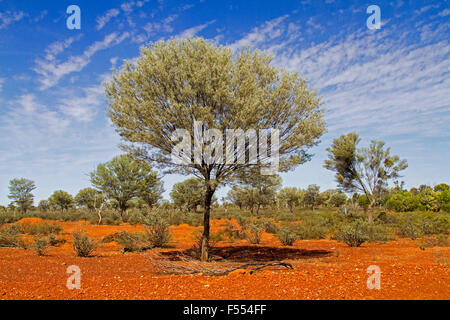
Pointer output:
x,y
390,84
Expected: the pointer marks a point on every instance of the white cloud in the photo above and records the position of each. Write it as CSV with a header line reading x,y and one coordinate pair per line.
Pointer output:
x,y
259,35
58,47
444,12
2,81
83,104
103,20
370,82
9,17
189,33
52,71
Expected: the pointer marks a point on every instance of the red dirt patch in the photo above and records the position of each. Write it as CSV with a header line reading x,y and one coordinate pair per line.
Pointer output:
x,y
324,269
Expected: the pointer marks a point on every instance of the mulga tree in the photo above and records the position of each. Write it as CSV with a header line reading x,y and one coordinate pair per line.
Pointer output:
x,y
366,170
61,200
179,83
20,193
124,178
291,196
188,194
89,198
311,196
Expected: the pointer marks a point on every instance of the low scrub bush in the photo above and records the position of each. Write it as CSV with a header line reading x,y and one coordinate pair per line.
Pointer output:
x,y
83,245
353,234
39,229
40,246
287,235
254,232
131,242
157,232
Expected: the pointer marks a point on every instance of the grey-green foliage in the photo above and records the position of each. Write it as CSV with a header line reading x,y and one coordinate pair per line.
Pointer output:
x,y
20,193
124,178
61,200
366,170
176,83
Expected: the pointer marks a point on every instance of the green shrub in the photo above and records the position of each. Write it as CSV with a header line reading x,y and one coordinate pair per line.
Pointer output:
x,y
83,246
53,240
157,231
9,240
254,232
353,234
231,232
42,228
287,235
409,229
40,246
379,233
129,241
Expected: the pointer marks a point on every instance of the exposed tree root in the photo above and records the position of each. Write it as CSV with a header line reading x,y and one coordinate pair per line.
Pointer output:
x,y
189,266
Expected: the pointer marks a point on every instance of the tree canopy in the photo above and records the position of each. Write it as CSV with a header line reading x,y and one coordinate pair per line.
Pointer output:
x,y
124,178
367,170
20,192
197,88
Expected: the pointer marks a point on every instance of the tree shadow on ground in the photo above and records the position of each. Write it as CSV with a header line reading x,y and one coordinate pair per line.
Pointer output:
x,y
250,253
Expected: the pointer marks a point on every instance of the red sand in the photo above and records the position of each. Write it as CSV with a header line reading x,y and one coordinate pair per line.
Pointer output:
x,y
407,271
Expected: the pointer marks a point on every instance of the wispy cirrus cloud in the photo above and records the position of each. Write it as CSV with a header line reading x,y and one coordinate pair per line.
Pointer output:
x,y
103,20
51,71
9,17
378,82
190,32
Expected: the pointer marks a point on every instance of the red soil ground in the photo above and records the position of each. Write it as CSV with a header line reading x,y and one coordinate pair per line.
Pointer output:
x,y
324,269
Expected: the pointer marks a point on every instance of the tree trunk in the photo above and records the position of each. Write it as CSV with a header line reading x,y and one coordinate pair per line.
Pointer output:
x,y
370,211
206,217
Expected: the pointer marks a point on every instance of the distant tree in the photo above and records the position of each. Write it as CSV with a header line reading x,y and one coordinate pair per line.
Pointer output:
x,y
61,200
151,193
177,83
337,199
89,198
442,187
124,178
44,205
366,169
291,197
261,190
188,194
236,196
20,192
312,196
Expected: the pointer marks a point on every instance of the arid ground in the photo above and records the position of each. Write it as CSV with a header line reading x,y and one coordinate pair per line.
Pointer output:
x,y
324,269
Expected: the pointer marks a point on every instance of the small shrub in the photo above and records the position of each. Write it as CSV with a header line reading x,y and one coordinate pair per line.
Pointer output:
x,y
8,240
379,233
39,229
287,235
255,231
157,231
409,229
53,240
83,246
269,226
353,234
129,241
40,246
231,232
